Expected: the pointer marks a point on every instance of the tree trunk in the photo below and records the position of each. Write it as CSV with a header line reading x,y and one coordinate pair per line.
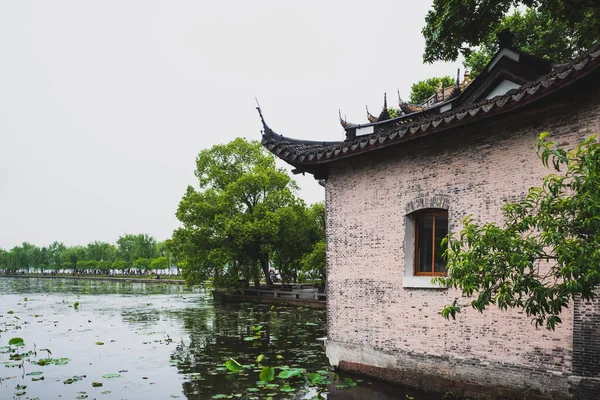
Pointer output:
x,y
264,262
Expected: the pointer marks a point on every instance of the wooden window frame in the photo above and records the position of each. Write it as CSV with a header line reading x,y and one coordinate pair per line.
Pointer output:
x,y
416,258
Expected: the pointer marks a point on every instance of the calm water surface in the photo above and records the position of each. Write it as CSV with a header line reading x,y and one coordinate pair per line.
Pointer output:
x,y
150,341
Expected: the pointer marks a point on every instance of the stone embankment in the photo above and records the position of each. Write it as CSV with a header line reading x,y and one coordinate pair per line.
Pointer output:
x,y
296,295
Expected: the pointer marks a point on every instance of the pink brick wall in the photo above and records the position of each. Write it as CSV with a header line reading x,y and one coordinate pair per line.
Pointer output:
x,y
479,167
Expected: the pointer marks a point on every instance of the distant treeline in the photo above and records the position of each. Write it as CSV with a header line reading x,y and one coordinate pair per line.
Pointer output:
x,y
131,255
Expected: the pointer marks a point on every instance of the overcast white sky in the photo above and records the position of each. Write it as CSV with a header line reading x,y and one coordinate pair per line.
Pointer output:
x,y
104,105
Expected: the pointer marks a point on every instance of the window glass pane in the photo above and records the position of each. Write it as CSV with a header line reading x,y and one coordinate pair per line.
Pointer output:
x,y
424,242
441,230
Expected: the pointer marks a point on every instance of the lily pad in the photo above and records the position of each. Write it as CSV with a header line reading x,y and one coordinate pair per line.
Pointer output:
x,y
100,343
16,341
74,379
267,374
233,365
110,376
96,384
51,361
291,373
287,389
349,382
315,379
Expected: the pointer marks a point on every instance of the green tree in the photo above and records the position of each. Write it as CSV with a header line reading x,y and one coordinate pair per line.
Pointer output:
x,y
159,264
295,234
33,256
131,247
536,32
422,90
101,251
141,264
314,263
4,259
71,256
232,223
547,251
18,258
453,27
55,257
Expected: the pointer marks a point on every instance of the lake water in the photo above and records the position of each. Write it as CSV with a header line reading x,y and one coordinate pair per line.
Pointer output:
x,y
154,341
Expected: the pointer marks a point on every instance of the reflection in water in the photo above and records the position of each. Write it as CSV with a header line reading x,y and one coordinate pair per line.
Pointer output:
x,y
164,341
287,338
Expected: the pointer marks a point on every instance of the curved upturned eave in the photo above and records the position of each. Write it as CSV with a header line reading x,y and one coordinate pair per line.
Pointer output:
x,y
289,149
305,153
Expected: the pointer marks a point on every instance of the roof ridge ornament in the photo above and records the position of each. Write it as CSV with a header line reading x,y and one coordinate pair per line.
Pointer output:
x,y
343,121
505,38
400,110
370,116
384,115
266,132
456,91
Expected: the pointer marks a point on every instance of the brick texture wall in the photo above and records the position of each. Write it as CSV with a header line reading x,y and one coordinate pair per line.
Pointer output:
x,y
478,167
586,336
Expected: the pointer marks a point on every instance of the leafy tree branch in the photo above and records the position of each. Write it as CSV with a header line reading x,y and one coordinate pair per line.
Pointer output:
x,y
547,251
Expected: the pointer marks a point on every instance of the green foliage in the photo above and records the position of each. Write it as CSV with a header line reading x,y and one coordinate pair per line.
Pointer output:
x,y
93,258
300,229
16,341
546,253
101,251
237,217
540,33
131,247
267,374
233,365
314,263
292,373
159,263
458,26
393,112
141,264
422,90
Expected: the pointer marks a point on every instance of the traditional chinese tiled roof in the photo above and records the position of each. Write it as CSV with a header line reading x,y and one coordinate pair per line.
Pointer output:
x,y
303,154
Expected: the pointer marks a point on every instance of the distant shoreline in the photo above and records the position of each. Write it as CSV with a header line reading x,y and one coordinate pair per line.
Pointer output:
x,y
101,278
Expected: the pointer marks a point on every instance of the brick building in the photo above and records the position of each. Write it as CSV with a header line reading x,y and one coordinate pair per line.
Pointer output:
x,y
395,186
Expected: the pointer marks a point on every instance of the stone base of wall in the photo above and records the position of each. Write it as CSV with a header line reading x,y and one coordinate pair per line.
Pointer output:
x,y
585,388
475,379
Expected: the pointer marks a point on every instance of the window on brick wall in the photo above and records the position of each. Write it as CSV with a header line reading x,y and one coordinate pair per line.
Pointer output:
x,y
431,226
